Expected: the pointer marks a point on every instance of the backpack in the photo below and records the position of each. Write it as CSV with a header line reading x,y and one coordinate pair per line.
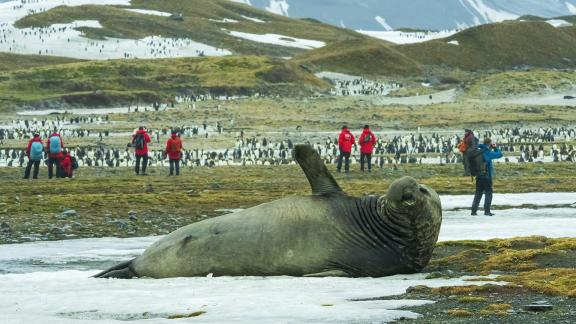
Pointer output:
x,y
74,162
175,146
462,146
55,145
139,141
36,151
476,162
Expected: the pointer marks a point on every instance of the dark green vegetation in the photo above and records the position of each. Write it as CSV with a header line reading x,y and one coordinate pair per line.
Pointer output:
x,y
529,270
369,57
105,198
108,83
199,23
11,62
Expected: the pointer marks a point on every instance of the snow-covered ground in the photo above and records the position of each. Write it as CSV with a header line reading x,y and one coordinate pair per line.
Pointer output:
x,y
281,40
65,40
49,282
399,37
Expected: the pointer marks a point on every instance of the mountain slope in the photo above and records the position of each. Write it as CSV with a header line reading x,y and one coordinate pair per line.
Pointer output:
x,y
218,23
500,46
418,14
367,57
10,62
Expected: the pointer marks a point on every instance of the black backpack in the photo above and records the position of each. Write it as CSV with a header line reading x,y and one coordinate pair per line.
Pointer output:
x,y
476,162
139,141
74,163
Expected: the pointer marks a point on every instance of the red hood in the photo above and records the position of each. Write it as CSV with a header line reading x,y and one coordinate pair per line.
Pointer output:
x,y
140,132
174,136
36,139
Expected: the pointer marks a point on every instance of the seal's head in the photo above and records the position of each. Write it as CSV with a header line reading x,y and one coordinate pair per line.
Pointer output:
x,y
416,213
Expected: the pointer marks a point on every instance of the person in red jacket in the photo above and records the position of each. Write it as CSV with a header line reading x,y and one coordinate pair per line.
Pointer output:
x,y
367,141
345,143
35,155
140,142
54,146
174,150
66,164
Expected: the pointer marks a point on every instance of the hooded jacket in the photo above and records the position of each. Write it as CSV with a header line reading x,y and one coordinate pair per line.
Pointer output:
x,y
367,147
173,142
490,155
147,140
345,141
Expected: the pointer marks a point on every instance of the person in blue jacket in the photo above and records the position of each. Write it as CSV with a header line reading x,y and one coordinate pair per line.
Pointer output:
x,y
484,181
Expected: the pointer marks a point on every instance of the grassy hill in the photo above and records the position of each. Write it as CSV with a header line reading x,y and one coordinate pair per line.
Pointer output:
x,y
513,83
368,57
202,21
500,46
107,83
10,62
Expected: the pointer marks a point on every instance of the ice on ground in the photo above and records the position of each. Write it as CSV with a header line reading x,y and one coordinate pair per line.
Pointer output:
x,y
281,40
399,37
537,199
151,12
64,40
72,296
225,20
454,42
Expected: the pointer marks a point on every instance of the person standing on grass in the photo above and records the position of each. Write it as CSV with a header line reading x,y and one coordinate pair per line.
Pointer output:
x,y
345,143
35,153
484,176
140,142
54,147
367,141
66,164
174,152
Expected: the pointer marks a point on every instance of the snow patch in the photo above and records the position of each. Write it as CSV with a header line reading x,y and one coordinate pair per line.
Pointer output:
x,y
384,24
254,19
225,20
399,37
279,7
150,12
559,23
279,40
454,42
247,2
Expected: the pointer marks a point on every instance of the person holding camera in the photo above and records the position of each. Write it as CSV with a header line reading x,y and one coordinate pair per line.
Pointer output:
x,y
484,180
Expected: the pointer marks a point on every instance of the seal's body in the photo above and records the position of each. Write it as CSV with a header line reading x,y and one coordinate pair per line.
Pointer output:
x,y
326,234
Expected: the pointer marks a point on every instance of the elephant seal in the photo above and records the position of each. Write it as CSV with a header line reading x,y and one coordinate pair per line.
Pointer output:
x,y
328,233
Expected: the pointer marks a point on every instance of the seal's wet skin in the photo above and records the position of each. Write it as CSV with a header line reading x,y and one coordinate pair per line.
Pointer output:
x,y
325,234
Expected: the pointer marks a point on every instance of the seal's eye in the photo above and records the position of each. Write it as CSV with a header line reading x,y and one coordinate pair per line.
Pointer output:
x,y
424,191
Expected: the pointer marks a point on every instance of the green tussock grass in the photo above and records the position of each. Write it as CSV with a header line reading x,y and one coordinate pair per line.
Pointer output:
x,y
513,83
98,83
11,62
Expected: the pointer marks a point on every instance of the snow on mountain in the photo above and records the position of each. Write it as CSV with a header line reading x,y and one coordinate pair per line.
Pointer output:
x,y
418,14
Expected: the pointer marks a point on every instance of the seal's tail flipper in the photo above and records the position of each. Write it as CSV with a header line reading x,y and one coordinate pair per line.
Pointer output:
x,y
320,179
119,271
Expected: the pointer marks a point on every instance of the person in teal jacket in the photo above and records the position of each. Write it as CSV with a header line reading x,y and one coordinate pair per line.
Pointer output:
x,y
484,181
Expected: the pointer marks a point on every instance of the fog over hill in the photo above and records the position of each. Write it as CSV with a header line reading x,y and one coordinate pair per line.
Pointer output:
x,y
419,14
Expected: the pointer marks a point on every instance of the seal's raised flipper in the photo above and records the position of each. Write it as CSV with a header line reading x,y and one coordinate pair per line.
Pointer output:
x,y
320,179
332,273
119,271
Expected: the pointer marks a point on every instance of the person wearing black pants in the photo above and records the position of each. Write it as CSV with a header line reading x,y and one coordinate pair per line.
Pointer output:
x,y
36,165
175,164
54,162
484,180
144,159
